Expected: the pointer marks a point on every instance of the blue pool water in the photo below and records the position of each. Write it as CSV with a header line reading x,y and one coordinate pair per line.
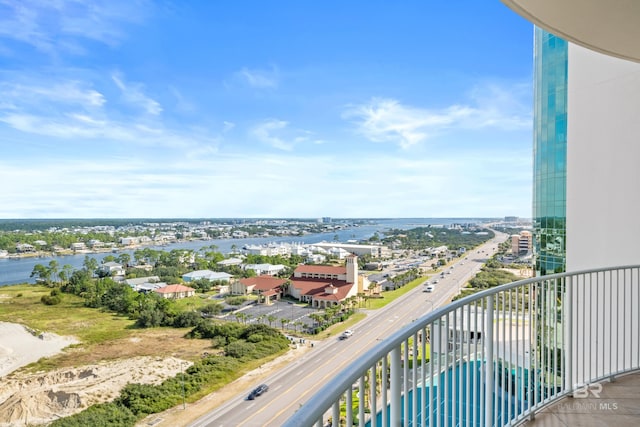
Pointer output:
x,y
472,403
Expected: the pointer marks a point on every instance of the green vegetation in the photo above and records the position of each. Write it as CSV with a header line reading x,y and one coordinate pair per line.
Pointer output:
x,y
424,237
240,345
490,277
98,309
70,317
235,300
333,315
63,232
403,278
389,296
492,274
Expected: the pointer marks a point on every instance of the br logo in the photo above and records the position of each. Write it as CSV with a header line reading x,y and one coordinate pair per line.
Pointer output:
x,y
582,391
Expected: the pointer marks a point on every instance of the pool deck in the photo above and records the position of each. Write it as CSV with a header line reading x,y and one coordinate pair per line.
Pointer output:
x,y
617,406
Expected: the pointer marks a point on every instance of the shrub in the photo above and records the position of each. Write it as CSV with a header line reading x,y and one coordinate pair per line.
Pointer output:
x,y
50,300
240,349
213,308
101,415
143,399
237,300
209,329
186,319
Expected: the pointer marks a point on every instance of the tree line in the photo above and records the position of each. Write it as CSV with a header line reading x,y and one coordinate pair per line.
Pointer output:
x,y
424,237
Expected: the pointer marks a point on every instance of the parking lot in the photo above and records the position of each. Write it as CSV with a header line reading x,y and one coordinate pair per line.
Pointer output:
x,y
296,315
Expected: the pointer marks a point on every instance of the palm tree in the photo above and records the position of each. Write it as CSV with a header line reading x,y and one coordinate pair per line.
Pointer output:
x,y
353,301
271,318
284,321
285,287
316,317
372,286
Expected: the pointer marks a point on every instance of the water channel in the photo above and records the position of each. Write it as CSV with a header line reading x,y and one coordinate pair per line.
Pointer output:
x,y
14,271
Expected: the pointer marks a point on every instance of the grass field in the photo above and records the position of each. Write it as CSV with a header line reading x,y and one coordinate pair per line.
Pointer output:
x,y
103,335
389,296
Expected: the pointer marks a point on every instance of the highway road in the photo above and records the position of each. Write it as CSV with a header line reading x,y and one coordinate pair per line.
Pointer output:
x,y
290,387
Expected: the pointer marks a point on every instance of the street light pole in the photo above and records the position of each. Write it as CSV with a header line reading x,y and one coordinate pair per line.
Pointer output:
x,y
430,302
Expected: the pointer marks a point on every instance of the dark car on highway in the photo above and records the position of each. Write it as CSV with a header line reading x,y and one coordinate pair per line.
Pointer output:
x,y
262,388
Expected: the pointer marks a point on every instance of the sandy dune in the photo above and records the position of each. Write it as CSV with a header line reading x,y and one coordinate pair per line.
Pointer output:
x,y
19,347
37,398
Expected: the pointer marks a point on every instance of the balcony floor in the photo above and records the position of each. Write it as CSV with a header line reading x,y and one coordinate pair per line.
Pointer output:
x,y
618,405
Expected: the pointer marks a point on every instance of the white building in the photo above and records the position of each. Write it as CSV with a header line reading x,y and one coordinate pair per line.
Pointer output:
x,y
112,269
376,251
78,246
264,269
229,261
206,274
599,89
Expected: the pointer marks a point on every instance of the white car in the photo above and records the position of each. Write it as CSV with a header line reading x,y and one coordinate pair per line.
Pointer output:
x,y
429,288
346,334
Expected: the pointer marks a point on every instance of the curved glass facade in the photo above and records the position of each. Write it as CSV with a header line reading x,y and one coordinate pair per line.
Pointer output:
x,y
549,152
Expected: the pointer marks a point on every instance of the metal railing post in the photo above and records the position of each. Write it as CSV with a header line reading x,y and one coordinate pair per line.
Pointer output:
x,y
489,368
361,393
532,378
568,358
396,397
335,414
349,406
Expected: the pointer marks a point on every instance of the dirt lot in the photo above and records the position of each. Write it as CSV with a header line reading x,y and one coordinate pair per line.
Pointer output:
x,y
94,374
88,375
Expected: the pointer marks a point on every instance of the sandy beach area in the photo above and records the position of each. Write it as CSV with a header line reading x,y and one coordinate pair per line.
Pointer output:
x,y
38,398
19,346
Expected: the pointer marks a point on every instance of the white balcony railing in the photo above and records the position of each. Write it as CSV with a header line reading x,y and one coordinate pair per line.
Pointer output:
x,y
494,358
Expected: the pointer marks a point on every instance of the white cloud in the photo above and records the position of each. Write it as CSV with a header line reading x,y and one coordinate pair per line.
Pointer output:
x,y
501,107
182,104
63,26
387,120
134,95
74,111
383,120
264,132
278,134
261,79
194,186
69,92
227,126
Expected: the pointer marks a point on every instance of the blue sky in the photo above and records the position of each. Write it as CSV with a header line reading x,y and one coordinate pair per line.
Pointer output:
x,y
281,108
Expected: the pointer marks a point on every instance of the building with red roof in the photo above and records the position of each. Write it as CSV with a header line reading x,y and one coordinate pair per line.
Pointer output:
x,y
324,285
268,287
176,291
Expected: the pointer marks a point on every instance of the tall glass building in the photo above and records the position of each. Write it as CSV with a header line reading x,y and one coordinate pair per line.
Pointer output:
x,y
550,152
